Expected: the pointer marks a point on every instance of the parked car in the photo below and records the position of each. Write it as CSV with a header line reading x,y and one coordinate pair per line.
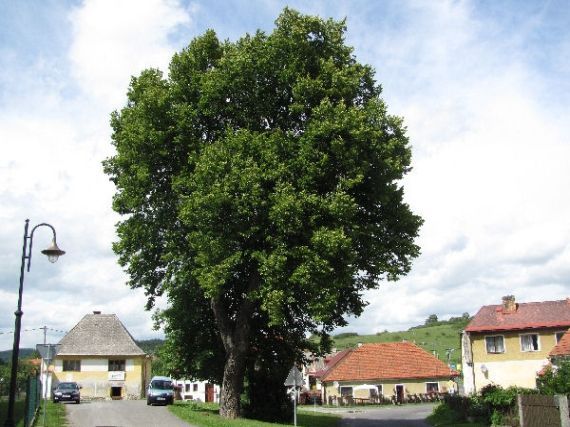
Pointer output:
x,y
67,392
160,391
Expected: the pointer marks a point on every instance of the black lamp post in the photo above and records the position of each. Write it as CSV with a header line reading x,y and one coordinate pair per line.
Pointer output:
x,y
53,253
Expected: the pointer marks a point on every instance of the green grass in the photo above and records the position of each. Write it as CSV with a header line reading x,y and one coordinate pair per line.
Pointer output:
x,y
18,412
442,416
206,415
430,338
55,415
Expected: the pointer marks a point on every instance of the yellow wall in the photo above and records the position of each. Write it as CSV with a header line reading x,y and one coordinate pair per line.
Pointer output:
x,y
512,342
388,387
94,377
514,367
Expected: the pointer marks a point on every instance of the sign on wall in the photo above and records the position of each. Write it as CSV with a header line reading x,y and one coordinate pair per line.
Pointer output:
x,y
116,375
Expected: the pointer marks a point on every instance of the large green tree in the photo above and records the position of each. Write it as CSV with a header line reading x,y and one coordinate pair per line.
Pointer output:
x,y
260,188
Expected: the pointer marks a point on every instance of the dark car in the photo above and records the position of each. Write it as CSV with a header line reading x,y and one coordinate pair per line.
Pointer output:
x,y
160,391
67,392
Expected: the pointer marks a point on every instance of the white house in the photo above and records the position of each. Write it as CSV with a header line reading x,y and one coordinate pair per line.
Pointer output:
x,y
201,391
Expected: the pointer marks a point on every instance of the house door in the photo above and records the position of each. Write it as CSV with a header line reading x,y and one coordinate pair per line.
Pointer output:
x,y
116,392
400,393
209,392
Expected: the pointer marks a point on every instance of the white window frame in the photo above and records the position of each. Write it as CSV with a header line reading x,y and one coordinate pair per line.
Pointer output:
x,y
496,352
114,363
557,338
537,342
436,386
75,363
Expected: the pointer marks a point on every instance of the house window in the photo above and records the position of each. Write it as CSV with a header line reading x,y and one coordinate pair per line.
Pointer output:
x,y
195,387
432,387
495,344
72,365
529,342
116,364
375,392
558,335
187,387
380,389
346,391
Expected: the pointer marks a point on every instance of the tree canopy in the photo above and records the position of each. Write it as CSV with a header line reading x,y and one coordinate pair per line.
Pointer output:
x,y
259,184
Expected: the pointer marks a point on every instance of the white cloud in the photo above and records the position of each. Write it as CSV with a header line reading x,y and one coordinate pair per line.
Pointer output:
x,y
114,40
54,139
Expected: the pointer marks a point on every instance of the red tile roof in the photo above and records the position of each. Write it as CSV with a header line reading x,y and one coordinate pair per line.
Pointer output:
x,y
395,360
331,361
563,346
532,315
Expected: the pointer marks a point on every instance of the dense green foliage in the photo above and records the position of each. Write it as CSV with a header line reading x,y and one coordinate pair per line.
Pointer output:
x,y
555,380
259,188
444,416
493,405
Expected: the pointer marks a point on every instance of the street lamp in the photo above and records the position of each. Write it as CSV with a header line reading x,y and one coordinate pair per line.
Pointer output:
x,y
53,253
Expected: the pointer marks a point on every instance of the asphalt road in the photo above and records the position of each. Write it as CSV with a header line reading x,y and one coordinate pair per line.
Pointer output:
x,y
388,416
135,413
120,413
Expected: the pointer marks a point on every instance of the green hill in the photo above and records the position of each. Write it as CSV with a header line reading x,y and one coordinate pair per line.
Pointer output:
x,y
441,338
6,355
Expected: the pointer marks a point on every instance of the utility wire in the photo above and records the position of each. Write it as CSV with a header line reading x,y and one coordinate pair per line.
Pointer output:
x,y
35,329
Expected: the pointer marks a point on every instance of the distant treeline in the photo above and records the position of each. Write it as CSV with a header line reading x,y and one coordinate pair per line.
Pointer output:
x,y
432,320
6,355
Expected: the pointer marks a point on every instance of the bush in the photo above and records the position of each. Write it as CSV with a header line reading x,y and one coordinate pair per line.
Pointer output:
x,y
443,415
555,381
494,405
345,335
459,405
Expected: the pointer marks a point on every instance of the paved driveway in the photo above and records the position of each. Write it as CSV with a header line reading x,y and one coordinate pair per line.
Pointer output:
x,y
388,416
121,413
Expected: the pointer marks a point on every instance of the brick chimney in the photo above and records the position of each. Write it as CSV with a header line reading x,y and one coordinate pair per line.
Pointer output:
x,y
509,304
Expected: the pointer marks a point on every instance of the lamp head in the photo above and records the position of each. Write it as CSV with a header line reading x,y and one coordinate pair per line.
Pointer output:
x,y
53,252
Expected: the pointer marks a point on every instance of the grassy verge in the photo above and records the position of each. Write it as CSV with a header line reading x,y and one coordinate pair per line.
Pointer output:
x,y
206,415
18,412
55,415
443,416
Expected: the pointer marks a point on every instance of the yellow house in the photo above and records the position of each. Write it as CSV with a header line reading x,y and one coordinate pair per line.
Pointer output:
x,y
101,355
508,344
395,370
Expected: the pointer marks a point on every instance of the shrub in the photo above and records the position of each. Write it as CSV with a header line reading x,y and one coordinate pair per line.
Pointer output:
x,y
458,404
555,381
345,335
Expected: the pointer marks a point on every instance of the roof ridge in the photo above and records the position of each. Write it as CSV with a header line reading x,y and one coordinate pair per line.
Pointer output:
x,y
99,335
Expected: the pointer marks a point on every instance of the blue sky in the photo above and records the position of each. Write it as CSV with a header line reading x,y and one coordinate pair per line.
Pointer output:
x,y
483,87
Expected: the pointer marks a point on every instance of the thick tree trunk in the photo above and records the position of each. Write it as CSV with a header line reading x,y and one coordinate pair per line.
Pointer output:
x,y
235,334
232,385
